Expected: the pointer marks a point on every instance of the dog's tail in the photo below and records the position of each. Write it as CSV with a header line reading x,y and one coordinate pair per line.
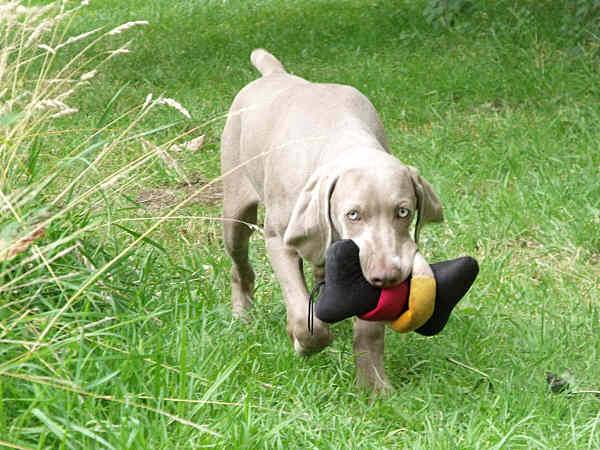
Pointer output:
x,y
266,63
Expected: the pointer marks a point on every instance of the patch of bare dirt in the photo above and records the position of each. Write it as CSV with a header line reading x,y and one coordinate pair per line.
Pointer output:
x,y
167,196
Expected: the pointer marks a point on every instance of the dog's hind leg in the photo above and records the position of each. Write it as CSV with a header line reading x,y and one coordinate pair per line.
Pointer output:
x,y
237,230
239,209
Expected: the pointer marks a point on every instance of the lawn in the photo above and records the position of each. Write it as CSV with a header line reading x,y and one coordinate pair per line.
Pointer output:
x,y
115,326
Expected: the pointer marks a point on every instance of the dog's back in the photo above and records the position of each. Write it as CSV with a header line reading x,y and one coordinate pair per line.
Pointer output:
x,y
295,123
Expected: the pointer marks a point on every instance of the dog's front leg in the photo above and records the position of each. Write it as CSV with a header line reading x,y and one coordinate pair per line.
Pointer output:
x,y
368,353
288,268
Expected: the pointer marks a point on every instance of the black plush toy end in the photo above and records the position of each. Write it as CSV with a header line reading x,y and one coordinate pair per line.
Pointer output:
x,y
453,279
347,293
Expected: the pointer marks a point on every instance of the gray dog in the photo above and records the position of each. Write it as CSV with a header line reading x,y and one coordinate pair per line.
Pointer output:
x,y
317,157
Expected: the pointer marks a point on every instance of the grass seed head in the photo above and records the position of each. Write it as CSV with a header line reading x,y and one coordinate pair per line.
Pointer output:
x,y
127,26
175,105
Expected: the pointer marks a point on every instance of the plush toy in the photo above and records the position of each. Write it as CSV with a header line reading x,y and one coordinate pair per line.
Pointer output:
x,y
421,303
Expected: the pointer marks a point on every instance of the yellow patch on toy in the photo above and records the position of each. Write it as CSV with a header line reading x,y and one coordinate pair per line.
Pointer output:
x,y
421,303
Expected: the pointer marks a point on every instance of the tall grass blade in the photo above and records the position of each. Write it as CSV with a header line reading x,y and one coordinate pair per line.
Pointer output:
x,y
55,428
145,239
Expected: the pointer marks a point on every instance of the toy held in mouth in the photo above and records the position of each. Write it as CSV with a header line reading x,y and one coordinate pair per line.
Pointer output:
x,y
422,303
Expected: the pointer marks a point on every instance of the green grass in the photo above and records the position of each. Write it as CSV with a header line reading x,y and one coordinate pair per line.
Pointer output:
x,y
499,113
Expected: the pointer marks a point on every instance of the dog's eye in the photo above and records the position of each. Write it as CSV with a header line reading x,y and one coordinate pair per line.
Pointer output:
x,y
403,213
353,215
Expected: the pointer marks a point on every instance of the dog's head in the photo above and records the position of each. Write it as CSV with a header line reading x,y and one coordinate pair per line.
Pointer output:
x,y
373,204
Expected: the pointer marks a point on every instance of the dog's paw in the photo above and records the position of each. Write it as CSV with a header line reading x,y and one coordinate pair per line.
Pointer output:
x,y
371,377
307,344
382,388
242,287
241,313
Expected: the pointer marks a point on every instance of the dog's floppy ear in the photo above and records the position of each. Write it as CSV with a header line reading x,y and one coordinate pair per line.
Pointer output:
x,y
310,230
429,207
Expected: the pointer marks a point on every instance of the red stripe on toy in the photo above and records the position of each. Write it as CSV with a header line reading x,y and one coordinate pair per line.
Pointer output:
x,y
392,302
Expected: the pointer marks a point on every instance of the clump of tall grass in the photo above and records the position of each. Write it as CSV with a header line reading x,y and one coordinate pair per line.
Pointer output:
x,y
56,205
